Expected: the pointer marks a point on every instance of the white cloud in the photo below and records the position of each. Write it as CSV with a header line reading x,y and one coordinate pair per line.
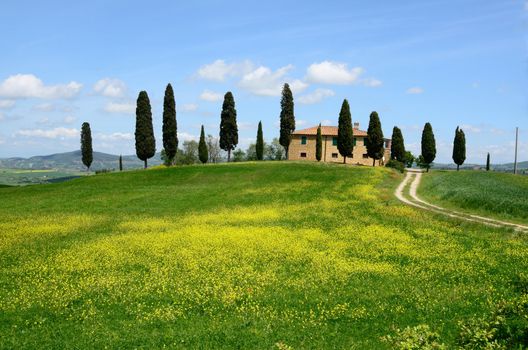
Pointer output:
x,y
526,5
190,107
415,90
371,82
1,116
69,119
327,122
211,96
6,104
45,107
116,136
219,70
471,128
329,72
185,136
264,82
110,87
120,107
28,85
317,96
55,133
44,121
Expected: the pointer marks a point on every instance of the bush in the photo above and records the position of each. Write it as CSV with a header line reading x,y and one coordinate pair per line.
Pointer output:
x,y
419,337
103,171
506,328
393,163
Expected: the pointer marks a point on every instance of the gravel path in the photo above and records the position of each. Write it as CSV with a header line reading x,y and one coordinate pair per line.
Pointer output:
x,y
414,177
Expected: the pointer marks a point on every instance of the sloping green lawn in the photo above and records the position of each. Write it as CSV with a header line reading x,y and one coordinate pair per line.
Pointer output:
x,y
256,255
495,195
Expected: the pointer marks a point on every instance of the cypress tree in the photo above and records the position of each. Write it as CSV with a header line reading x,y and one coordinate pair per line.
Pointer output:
x,y
203,154
345,136
259,146
428,145
319,144
374,140
228,125
488,162
86,145
170,137
145,142
120,163
459,147
397,147
287,118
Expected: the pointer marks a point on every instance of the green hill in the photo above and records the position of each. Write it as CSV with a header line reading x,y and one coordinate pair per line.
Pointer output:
x,y
248,255
491,194
72,161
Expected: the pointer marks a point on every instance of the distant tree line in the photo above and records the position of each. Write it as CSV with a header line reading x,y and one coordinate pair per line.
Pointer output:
x,y
211,149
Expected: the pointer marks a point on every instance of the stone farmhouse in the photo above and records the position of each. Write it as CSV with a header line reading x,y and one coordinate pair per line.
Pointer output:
x,y
302,146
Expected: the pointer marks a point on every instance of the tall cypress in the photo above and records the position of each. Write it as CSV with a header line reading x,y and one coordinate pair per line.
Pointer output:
x,y
397,147
428,145
488,162
319,145
145,142
86,145
203,154
374,140
345,136
259,146
459,147
170,137
287,118
228,125
120,163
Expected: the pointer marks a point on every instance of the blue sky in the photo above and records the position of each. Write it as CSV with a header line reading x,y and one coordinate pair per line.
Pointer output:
x,y
450,63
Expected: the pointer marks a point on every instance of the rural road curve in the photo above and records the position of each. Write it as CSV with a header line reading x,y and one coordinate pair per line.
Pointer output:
x,y
415,201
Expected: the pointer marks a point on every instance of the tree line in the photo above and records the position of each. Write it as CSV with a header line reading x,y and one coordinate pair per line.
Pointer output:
x,y
208,149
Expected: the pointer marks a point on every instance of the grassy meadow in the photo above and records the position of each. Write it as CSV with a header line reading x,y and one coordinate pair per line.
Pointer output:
x,y
492,194
249,255
17,177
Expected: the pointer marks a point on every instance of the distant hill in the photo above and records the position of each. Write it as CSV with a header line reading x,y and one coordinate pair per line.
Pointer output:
x,y
72,161
496,167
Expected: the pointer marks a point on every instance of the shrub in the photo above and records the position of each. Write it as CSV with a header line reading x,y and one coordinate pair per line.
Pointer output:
x,y
103,171
506,328
419,337
393,163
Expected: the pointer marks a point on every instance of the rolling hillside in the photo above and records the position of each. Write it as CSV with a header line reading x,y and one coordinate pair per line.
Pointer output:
x,y
492,194
266,255
72,161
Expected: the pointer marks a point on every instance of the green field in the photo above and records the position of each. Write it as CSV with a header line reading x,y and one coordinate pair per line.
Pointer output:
x,y
17,177
249,255
496,195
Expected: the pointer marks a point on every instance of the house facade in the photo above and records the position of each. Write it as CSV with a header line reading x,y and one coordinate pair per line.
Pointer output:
x,y
302,146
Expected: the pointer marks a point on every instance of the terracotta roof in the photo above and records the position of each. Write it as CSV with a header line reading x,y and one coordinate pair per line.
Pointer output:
x,y
326,131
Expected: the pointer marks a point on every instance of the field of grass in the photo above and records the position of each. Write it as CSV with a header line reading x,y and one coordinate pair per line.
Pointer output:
x,y
250,255
17,177
491,194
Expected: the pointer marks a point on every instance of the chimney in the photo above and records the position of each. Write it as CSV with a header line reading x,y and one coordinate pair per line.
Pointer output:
x,y
356,125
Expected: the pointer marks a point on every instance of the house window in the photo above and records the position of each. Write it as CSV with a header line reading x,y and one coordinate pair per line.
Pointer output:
x,y
303,154
355,141
334,155
365,156
303,141
334,141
